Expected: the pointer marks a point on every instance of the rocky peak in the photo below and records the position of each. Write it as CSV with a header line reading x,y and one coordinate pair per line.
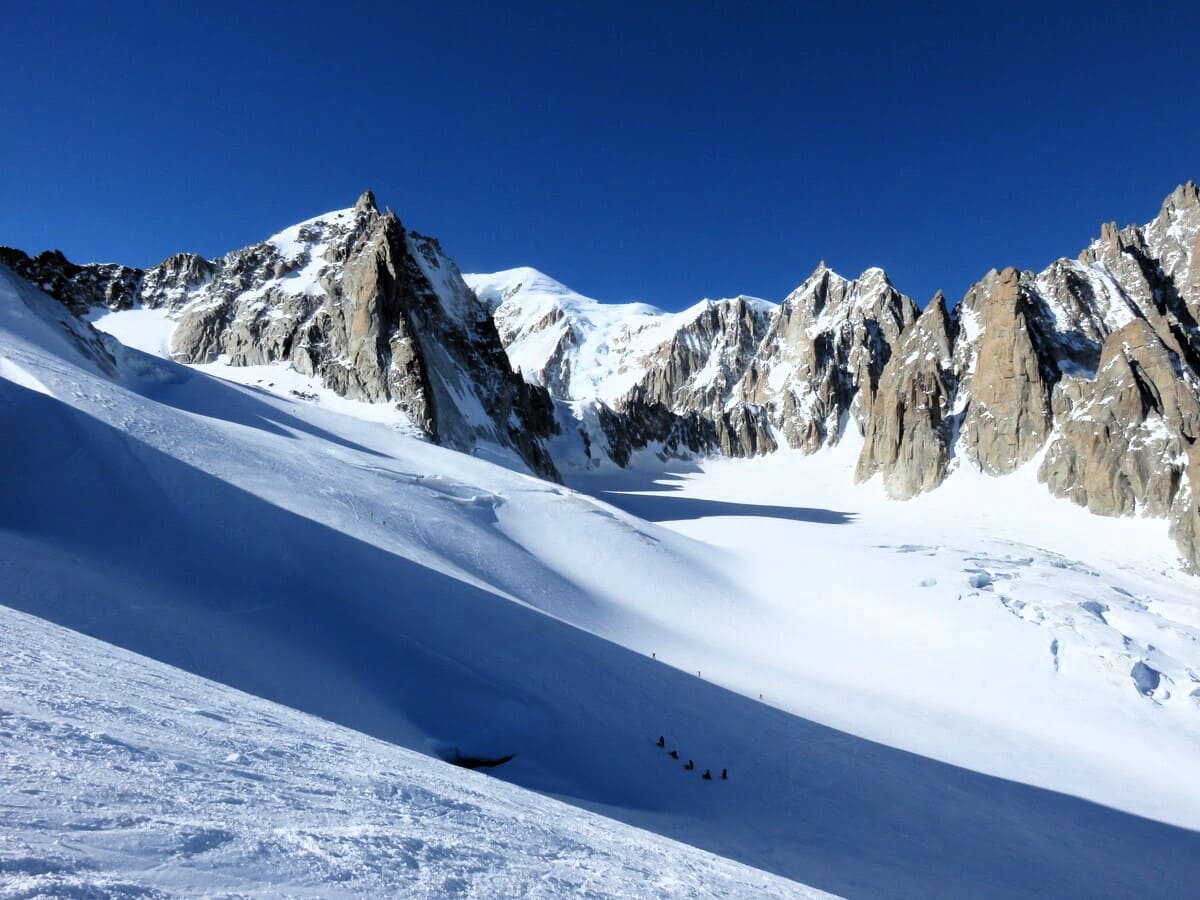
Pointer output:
x,y
1122,441
374,312
827,341
1173,239
909,429
1185,197
366,203
1008,418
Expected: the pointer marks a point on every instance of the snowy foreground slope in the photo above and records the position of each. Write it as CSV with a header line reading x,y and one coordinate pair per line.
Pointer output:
x,y
351,571
125,777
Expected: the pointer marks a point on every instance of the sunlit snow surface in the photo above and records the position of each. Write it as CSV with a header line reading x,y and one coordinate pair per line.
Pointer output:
x,y
986,624
333,563
127,778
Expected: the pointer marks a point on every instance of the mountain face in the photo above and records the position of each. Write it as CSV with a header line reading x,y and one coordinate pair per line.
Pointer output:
x,y
1091,366
629,376
376,312
1092,363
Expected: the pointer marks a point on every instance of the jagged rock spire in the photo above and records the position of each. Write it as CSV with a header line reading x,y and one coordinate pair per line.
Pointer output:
x,y
366,203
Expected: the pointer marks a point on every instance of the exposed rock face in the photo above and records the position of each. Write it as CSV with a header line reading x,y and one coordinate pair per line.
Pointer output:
x,y
822,356
1123,438
79,287
1185,511
1008,415
375,312
909,430
1173,240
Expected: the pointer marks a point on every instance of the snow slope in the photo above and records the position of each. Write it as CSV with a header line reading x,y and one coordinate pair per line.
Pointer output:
x,y
125,777
439,602
987,624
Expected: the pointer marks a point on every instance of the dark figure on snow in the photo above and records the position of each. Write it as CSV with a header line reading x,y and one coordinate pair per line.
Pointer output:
x,y
691,765
724,774
707,776
662,741
674,754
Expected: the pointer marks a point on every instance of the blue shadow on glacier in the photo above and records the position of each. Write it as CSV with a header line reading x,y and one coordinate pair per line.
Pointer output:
x,y
104,534
666,508
650,494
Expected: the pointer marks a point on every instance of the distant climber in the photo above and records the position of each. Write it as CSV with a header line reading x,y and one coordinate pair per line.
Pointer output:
x,y
707,776
674,754
662,741
690,765
724,774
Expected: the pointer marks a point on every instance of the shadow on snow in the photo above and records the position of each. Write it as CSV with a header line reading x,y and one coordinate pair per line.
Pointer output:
x,y
106,535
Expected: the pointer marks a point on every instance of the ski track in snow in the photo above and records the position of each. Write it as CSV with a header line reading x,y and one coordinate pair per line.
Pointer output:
x,y
318,555
127,778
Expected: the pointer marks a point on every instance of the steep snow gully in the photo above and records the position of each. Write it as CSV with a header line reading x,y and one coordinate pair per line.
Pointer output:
x,y
351,571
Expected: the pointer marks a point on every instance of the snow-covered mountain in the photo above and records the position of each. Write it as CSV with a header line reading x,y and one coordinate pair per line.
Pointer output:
x,y
908,701
370,310
631,376
1091,366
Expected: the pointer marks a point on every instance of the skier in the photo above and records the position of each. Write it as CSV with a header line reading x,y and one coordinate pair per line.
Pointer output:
x,y
674,754
724,774
662,741
707,776
691,765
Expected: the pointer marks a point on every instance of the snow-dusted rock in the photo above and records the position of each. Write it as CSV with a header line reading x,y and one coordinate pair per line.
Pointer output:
x,y
1123,437
374,311
79,287
909,427
828,341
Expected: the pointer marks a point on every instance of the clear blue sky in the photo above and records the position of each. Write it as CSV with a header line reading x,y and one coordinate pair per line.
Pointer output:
x,y
654,151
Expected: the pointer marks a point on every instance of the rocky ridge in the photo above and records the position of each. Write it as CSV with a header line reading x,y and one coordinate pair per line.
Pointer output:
x,y
1091,364
375,312
1090,367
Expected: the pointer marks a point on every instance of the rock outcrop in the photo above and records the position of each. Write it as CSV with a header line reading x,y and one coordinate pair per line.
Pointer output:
x,y
1007,418
820,361
373,311
909,428
1123,438
78,287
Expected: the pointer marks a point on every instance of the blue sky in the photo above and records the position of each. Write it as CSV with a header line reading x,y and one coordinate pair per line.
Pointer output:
x,y
661,152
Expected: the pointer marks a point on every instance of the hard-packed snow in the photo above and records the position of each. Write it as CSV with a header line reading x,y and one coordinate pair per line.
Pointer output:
x,y
125,777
